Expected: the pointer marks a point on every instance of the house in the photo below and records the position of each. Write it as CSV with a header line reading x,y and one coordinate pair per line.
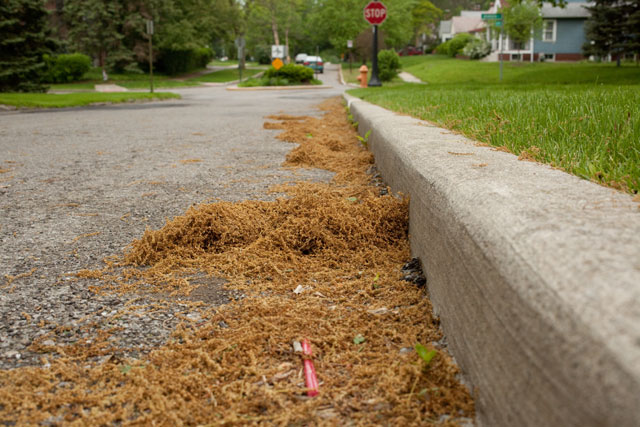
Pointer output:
x,y
562,37
465,23
563,33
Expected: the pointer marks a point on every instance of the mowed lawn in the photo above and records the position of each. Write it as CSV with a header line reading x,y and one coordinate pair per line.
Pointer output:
x,y
46,100
581,117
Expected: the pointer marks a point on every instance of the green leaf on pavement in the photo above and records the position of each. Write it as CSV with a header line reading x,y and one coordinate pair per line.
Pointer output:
x,y
425,354
359,339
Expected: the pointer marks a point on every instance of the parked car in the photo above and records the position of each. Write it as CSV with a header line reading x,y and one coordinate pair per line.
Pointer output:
x,y
300,58
315,63
410,51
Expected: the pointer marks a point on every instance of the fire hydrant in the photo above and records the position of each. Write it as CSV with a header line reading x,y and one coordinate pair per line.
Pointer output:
x,y
362,78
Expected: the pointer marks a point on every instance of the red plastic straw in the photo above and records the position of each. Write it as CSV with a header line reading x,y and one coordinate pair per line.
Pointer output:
x,y
309,371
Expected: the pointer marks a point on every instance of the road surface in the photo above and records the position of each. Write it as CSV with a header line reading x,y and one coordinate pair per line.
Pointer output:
x,y
78,185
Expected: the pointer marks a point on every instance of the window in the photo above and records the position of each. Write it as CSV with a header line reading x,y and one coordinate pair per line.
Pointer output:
x,y
549,30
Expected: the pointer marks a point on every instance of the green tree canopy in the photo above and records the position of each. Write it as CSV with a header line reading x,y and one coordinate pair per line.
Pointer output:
x,y
522,20
23,43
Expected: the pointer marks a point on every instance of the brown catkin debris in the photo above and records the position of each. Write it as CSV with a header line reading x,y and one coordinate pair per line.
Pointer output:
x,y
342,242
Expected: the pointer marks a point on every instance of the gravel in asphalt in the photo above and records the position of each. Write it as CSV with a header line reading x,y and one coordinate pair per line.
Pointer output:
x,y
78,185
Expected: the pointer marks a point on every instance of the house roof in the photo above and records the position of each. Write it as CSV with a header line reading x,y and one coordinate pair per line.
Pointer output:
x,y
466,24
571,10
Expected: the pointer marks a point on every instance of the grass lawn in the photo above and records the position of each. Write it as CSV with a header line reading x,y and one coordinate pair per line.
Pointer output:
x,y
127,80
588,129
43,100
223,76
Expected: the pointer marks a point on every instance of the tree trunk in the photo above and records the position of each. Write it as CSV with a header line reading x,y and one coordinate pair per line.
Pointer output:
x,y
286,42
102,61
274,27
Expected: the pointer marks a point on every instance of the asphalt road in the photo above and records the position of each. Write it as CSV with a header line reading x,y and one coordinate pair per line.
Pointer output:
x,y
78,185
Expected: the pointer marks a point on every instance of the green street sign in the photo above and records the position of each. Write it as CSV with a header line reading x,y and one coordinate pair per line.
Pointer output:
x,y
491,16
498,23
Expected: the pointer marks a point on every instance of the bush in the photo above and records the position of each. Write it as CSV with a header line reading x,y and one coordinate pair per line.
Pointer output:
x,y
292,73
476,49
455,45
174,62
66,68
443,48
388,65
202,56
262,54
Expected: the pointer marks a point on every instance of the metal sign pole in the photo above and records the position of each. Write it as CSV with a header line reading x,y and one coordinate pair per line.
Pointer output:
x,y
375,80
501,50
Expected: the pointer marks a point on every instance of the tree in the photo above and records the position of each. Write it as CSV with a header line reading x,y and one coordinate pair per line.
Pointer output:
x,y
95,28
613,28
23,43
522,20
424,18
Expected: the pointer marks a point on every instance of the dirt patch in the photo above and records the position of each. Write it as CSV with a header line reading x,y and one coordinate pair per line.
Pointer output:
x,y
341,246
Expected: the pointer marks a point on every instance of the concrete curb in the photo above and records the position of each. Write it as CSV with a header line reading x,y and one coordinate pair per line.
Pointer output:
x,y
535,274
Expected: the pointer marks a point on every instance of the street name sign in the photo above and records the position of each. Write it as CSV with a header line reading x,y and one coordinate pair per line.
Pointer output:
x,y
490,16
375,13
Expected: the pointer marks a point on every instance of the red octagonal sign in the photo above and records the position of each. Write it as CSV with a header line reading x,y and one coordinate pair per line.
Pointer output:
x,y
375,13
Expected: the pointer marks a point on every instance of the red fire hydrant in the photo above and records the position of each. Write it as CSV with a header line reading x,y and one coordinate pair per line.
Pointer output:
x,y
362,78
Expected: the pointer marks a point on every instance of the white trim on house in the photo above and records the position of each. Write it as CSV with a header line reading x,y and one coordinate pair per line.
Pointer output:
x,y
545,30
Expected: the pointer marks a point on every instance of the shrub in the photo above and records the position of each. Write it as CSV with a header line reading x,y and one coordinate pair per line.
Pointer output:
x,y
262,54
174,62
388,65
455,45
66,68
458,42
476,49
202,56
291,72
443,48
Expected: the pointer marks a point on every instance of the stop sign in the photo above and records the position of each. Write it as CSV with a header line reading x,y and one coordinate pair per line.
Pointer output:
x,y
375,13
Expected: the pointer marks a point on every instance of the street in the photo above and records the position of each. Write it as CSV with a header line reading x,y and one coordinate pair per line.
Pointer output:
x,y
78,185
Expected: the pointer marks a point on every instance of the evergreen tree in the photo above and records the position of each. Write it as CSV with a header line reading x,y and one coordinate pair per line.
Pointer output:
x,y
604,32
23,43
97,28
613,28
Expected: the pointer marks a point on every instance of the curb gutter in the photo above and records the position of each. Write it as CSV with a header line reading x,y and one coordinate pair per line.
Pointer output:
x,y
535,274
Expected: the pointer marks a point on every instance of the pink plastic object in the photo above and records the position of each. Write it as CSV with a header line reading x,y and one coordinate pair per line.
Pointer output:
x,y
309,371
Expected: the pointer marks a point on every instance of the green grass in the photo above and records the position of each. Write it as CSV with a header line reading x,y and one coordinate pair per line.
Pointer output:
x,y
40,100
224,76
590,130
442,69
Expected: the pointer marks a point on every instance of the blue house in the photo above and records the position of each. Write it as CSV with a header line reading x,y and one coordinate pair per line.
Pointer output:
x,y
563,34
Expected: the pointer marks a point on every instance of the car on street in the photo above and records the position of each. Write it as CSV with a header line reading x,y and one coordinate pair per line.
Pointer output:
x,y
300,58
410,51
315,63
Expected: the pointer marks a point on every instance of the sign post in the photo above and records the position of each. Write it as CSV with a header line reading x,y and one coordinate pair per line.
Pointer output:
x,y
375,14
496,19
150,34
